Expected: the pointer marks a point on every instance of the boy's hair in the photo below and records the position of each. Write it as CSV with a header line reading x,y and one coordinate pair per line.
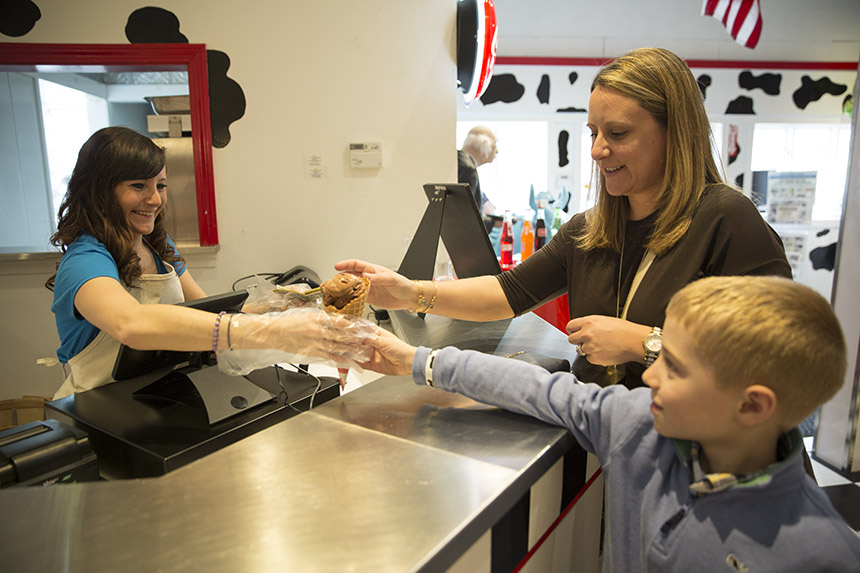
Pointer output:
x,y
766,330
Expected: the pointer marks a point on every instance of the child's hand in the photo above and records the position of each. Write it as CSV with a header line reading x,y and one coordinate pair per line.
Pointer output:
x,y
390,355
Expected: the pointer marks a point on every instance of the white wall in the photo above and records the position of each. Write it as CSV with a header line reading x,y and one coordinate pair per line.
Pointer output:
x,y
316,76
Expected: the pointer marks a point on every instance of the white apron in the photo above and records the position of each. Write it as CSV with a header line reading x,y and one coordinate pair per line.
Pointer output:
x,y
92,366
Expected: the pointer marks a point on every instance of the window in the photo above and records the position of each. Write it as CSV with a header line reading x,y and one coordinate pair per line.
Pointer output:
x,y
33,170
522,162
69,117
821,148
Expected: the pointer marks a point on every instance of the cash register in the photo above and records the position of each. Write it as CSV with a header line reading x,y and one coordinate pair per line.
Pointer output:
x,y
167,408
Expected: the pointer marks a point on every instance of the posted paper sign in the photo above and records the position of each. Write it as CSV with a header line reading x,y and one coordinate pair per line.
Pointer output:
x,y
790,197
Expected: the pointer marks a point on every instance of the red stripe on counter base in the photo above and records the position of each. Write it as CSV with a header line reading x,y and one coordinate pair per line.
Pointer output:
x,y
558,519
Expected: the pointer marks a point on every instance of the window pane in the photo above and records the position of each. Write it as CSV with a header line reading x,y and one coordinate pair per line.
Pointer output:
x,y
70,116
522,162
822,148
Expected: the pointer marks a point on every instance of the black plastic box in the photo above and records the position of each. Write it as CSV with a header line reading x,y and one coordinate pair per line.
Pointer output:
x,y
46,453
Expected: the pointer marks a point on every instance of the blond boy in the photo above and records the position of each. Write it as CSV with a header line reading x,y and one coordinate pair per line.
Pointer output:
x,y
703,471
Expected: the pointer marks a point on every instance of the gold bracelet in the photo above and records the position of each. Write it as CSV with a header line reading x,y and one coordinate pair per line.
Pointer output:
x,y
421,299
433,300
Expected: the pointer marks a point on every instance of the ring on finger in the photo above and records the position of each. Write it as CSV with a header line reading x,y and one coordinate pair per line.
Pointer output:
x,y
580,351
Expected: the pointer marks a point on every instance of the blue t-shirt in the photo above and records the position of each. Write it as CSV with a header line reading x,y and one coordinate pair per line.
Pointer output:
x,y
86,258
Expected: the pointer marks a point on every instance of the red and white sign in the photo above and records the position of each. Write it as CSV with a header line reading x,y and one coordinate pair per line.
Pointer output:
x,y
480,17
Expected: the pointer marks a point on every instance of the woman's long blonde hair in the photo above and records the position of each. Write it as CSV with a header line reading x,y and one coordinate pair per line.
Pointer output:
x,y
663,85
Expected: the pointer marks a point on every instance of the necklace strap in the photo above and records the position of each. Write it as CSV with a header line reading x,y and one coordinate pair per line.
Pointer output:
x,y
644,265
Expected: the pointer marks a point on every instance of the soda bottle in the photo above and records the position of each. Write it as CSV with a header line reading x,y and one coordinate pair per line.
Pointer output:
x,y
556,222
507,242
527,239
540,230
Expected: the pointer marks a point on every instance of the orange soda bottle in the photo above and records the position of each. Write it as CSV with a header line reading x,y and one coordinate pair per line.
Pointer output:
x,y
527,239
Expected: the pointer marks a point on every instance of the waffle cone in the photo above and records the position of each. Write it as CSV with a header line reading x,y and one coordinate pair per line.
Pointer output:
x,y
356,306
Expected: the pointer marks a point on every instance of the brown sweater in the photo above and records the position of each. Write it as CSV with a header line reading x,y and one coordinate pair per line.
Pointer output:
x,y
727,236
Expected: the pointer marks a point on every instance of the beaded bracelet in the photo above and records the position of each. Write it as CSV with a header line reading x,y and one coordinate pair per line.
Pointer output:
x,y
215,334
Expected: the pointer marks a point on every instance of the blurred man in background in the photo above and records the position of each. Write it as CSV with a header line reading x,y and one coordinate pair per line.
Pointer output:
x,y
479,148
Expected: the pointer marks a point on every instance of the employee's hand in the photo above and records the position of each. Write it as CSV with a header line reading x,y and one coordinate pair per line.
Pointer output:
x,y
303,331
606,340
387,288
390,355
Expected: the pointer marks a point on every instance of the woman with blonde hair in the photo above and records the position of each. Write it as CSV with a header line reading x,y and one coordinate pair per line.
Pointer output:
x,y
663,218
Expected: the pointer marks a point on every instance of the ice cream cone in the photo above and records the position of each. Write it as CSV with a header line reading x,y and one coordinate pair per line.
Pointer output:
x,y
341,375
355,307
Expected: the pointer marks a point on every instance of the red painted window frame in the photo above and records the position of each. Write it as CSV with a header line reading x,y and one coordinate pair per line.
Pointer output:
x,y
140,58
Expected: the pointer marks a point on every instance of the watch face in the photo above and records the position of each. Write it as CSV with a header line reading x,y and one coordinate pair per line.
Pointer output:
x,y
653,343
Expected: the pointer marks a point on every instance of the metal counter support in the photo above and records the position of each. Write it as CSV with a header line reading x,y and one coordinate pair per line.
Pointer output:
x,y
390,477
837,436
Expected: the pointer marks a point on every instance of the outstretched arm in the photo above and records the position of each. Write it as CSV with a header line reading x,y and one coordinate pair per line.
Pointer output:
x,y
108,306
477,299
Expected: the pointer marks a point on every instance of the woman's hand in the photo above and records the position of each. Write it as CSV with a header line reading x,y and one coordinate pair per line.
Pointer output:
x,y
606,340
387,288
390,355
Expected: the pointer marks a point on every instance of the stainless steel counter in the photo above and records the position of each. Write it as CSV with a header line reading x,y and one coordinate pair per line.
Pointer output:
x,y
390,477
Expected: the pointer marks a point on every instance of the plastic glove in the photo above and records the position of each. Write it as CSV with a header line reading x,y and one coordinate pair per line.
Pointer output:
x,y
267,297
301,335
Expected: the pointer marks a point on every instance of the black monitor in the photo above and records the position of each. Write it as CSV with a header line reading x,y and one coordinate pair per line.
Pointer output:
x,y
131,362
453,215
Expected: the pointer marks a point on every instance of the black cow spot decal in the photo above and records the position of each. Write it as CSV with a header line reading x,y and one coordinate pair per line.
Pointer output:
x,y
571,109
768,83
18,17
152,25
739,181
704,82
572,77
822,232
230,103
563,138
823,257
543,89
503,87
226,97
741,105
811,91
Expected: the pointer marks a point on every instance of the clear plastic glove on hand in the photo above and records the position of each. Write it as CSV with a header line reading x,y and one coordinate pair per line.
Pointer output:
x,y
268,297
299,335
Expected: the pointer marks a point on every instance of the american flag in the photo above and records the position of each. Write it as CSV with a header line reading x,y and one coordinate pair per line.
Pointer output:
x,y
742,19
